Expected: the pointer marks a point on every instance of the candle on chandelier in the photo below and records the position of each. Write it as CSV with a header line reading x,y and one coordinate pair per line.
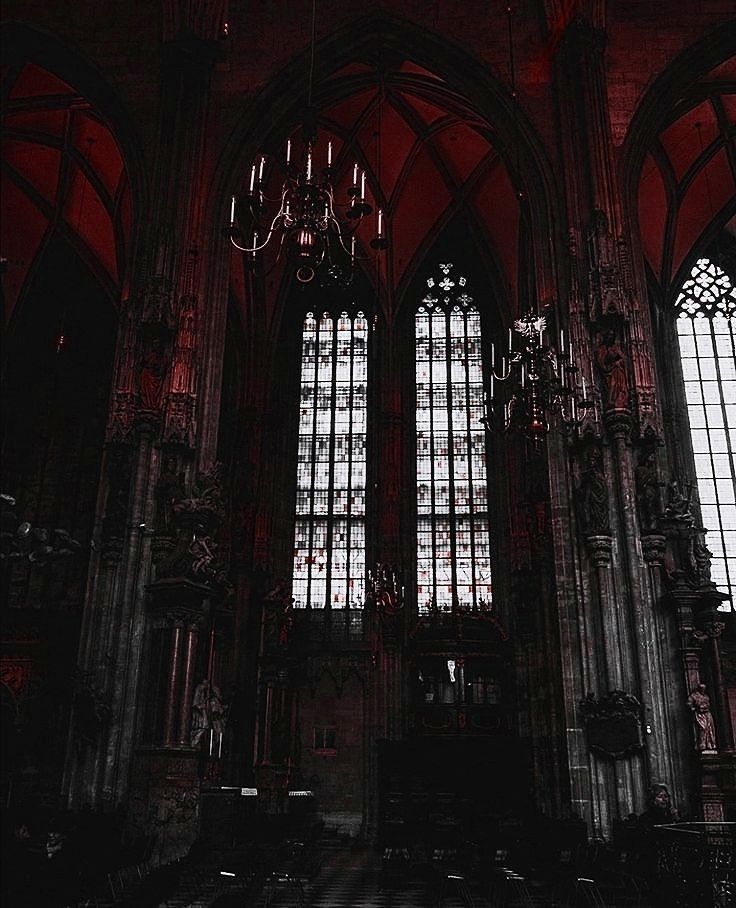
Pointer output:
x,y
562,341
309,164
232,211
584,389
490,387
511,339
352,246
380,222
493,355
288,151
355,174
362,186
252,179
329,154
260,169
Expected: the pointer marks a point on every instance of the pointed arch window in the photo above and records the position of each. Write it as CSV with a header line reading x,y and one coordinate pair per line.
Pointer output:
x,y
329,545
706,331
453,547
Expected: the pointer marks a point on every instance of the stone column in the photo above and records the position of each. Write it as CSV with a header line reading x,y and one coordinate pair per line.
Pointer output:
x,y
177,627
187,687
599,549
714,627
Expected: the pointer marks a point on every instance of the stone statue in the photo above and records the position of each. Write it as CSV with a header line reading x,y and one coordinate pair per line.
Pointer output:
x,y
705,731
612,363
153,373
678,506
594,495
647,490
203,506
701,560
169,489
209,714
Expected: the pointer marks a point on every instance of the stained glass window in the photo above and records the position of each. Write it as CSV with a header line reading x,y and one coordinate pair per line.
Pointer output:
x,y
453,548
329,544
706,329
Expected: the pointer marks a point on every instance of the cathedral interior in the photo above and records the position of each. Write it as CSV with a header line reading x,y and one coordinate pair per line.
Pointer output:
x,y
369,406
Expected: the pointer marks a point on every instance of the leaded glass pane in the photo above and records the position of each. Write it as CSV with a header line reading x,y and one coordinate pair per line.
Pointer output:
x,y
329,537
706,330
453,551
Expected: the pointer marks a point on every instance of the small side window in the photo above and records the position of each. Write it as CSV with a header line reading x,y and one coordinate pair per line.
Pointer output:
x,y
325,739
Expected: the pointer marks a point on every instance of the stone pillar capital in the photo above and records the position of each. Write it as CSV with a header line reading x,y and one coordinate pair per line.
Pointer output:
x,y
654,547
619,423
600,549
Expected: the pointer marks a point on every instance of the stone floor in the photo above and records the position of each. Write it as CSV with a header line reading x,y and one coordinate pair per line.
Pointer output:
x,y
352,876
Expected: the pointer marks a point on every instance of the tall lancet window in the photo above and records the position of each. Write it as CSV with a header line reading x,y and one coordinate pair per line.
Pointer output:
x,y
706,329
329,545
453,548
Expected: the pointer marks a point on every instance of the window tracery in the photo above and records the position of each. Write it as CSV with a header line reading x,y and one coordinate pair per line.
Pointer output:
x,y
329,544
453,548
706,331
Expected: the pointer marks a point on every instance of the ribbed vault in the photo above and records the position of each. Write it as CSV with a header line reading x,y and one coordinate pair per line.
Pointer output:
x,y
62,170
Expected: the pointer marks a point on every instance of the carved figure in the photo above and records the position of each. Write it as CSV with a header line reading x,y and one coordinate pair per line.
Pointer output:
x,y
678,506
202,550
204,504
647,490
169,489
37,545
612,363
705,731
701,556
156,304
153,372
209,714
594,495
182,368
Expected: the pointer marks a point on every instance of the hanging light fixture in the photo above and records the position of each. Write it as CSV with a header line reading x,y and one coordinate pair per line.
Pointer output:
x,y
535,386
305,221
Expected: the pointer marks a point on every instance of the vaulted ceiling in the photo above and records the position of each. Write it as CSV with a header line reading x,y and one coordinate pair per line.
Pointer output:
x,y
62,172
428,158
687,185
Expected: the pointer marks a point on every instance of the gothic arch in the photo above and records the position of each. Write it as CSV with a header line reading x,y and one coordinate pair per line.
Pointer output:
x,y
445,77
94,153
679,145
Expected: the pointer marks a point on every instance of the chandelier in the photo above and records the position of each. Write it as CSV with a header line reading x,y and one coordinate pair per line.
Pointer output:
x,y
535,386
304,219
